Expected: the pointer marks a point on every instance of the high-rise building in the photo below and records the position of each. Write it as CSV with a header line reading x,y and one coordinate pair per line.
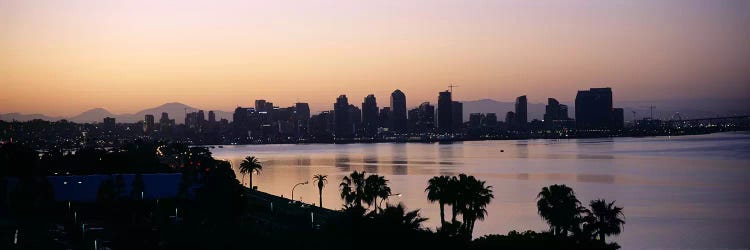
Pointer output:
x,y
211,117
355,119
422,118
370,115
302,118
555,115
109,122
148,124
457,115
200,117
618,118
489,121
594,109
384,118
341,117
165,124
521,112
445,111
260,105
398,107
510,119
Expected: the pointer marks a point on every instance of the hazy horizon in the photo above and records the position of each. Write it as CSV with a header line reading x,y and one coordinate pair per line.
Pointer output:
x,y
61,58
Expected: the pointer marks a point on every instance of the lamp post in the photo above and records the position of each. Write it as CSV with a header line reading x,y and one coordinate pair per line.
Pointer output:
x,y
295,186
381,201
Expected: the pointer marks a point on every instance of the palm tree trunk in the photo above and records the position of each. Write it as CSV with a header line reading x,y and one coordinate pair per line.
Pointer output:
x,y
455,211
320,195
251,181
442,215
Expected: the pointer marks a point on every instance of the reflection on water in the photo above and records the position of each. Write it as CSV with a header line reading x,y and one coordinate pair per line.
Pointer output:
x,y
678,192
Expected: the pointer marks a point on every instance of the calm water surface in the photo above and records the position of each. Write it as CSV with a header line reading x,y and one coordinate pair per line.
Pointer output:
x,y
678,192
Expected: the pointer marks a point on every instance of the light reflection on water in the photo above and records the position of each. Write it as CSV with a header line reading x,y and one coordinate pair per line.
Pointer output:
x,y
678,192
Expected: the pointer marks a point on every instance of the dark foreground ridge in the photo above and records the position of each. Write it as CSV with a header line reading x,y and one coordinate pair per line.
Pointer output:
x,y
94,199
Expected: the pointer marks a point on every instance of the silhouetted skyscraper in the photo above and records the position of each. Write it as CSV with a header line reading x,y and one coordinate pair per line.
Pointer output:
x,y
457,115
384,118
109,122
165,124
521,112
355,119
618,118
370,115
260,105
445,112
510,119
555,113
594,109
302,110
422,118
341,117
148,124
398,107
211,117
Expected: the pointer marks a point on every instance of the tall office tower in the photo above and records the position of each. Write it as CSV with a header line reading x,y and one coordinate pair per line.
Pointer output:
x,y
398,107
148,124
554,113
165,125
260,105
355,119
594,109
521,112
200,117
384,118
618,118
457,114
370,115
341,117
445,111
302,118
510,120
426,116
302,111
211,117
109,122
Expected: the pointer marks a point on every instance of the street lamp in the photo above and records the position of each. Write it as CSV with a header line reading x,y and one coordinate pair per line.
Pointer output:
x,y
295,186
381,201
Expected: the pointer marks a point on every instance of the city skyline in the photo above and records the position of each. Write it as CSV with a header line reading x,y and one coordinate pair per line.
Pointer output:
x,y
62,58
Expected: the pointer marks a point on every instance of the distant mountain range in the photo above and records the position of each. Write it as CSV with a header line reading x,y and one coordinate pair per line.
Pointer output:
x,y
663,110
175,110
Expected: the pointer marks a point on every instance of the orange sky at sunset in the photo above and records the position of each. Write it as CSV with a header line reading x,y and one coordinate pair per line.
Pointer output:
x,y
64,57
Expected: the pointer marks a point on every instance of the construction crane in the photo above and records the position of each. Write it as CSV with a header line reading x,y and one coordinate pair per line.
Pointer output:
x,y
452,86
652,111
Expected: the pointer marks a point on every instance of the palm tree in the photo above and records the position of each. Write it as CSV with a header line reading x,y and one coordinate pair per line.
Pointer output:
x,y
604,218
559,207
476,196
437,191
249,165
353,189
453,192
396,217
376,186
321,180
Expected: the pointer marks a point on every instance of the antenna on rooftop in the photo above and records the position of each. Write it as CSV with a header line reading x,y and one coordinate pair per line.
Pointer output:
x,y
452,86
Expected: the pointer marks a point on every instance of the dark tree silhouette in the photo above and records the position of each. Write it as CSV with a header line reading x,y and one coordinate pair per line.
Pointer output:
x,y
376,186
559,207
321,181
604,219
353,189
249,165
437,190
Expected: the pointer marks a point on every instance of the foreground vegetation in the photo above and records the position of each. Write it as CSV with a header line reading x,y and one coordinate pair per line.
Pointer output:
x,y
215,211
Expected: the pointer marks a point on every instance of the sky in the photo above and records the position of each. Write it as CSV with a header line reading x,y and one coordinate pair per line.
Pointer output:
x,y
64,57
